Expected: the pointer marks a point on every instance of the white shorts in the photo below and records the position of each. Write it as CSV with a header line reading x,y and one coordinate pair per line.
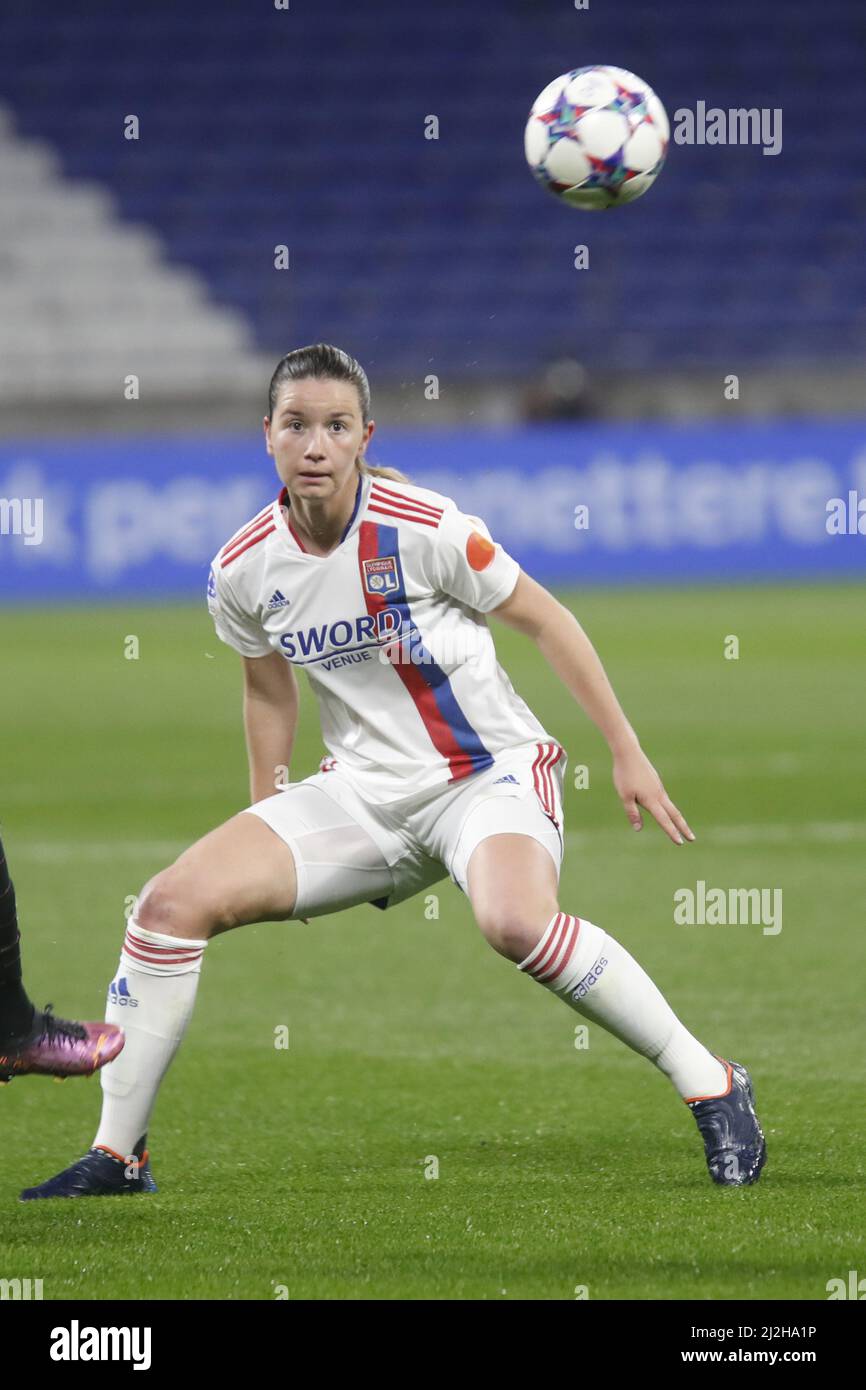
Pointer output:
x,y
348,850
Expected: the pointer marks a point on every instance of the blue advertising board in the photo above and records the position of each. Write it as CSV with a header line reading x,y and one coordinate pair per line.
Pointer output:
x,y
589,504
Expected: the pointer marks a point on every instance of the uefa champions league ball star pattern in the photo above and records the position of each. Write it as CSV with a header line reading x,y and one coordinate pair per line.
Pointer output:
x,y
597,137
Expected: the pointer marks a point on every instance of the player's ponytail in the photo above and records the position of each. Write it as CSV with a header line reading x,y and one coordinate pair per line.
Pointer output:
x,y
323,360
376,472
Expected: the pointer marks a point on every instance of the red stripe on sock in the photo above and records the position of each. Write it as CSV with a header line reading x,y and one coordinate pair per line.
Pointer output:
x,y
154,948
566,953
178,958
548,943
563,955
554,950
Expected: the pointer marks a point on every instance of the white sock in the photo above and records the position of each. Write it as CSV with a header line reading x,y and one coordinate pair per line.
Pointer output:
x,y
599,979
152,998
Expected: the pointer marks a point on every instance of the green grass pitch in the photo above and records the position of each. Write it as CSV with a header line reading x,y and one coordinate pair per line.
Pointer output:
x,y
305,1170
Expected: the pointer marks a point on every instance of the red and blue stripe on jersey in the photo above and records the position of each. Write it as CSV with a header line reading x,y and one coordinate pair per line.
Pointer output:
x,y
427,684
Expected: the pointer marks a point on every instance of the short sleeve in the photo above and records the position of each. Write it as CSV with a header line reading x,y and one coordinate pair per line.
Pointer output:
x,y
469,565
236,628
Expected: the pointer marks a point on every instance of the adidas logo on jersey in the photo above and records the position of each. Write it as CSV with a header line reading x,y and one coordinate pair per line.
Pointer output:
x,y
278,600
510,778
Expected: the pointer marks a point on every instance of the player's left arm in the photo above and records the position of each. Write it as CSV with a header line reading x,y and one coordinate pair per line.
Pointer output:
x,y
533,610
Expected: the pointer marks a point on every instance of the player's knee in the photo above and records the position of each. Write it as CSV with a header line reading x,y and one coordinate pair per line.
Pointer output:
x,y
171,903
516,931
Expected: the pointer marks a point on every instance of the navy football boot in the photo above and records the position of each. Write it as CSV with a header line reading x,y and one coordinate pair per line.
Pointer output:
x,y
733,1139
100,1173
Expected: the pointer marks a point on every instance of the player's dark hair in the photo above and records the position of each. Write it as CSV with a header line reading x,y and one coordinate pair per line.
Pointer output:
x,y
325,362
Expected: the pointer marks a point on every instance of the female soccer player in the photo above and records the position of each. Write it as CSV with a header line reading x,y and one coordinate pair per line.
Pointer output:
x,y
34,1042
379,590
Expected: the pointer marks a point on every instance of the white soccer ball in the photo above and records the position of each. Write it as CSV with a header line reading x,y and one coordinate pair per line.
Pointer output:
x,y
597,137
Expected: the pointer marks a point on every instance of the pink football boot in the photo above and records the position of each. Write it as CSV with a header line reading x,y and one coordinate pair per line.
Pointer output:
x,y
58,1047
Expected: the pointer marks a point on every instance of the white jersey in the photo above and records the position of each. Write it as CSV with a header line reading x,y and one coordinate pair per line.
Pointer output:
x,y
390,630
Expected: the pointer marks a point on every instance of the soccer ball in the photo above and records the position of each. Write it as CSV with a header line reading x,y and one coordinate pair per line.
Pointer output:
x,y
597,137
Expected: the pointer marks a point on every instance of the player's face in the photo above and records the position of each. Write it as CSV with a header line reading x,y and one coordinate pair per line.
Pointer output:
x,y
315,435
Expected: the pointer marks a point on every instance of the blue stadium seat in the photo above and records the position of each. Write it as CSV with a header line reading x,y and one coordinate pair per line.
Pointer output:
x,y
305,128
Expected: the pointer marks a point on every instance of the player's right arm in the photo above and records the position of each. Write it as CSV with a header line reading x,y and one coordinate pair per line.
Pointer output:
x,y
271,703
271,696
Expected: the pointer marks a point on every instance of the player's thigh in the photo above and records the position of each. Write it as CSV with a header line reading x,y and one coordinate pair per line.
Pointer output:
x,y
500,835
513,886
240,872
345,853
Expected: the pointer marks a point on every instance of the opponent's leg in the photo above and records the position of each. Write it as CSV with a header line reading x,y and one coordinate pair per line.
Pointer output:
x,y
16,1010
34,1041
512,887
239,873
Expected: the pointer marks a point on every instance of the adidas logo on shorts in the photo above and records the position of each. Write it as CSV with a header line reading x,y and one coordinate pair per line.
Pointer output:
x,y
510,778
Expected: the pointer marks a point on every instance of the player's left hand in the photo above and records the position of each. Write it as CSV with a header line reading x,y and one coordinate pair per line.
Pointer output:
x,y
638,784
